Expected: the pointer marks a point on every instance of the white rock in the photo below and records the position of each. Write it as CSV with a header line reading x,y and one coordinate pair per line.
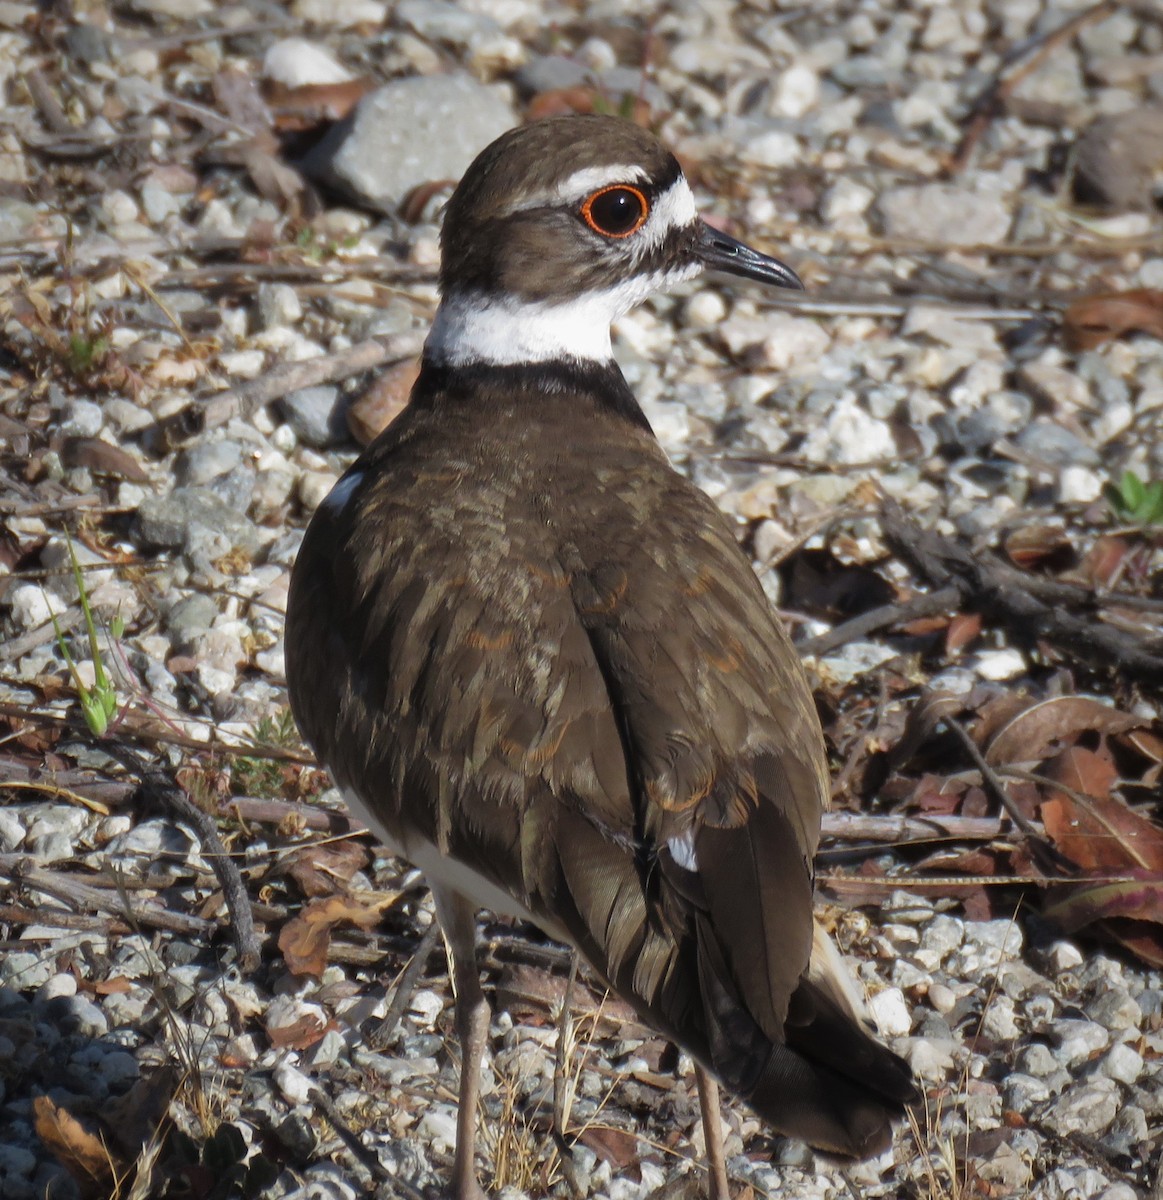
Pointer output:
x,y
294,62
440,1126
243,364
1078,485
891,1013
849,434
343,13
32,605
705,309
775,148
1079,1040
1122,1063
1088,1107
999,665
295,1086
1065,956
845,198
796,91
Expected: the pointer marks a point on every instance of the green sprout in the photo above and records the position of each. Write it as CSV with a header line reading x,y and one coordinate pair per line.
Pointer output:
x,y
1136,502
99,702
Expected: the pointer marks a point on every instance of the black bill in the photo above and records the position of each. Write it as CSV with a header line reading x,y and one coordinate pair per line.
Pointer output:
x,y
721,252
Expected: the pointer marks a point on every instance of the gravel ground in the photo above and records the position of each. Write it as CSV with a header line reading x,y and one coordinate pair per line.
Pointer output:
x,y
174,228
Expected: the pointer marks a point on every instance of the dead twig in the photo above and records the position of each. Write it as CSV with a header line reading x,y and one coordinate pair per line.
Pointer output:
x,y
1007,596
19,869
926,605
290,377
1017,65
383,1037
157,786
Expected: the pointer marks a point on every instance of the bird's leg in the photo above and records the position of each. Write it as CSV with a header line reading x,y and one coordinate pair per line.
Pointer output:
x,y
458,923
712,1134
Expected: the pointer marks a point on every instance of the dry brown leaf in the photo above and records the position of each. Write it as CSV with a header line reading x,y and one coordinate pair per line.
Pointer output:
x,y
618,1147
1045,546
300,1034
1030,735
1096,319
134,1116
319,869
84,1156
1104,560
1091,827
963,628
563,101
305,940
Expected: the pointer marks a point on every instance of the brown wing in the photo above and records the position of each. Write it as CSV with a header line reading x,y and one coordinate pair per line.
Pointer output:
x,y
586,700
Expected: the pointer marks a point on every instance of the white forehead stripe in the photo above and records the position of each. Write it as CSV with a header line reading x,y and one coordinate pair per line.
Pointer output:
x,y
504,331
672,209
583,183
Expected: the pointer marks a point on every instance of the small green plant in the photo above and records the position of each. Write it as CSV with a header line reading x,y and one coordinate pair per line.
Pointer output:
x,y
256,776
1136,502
86,352
99,702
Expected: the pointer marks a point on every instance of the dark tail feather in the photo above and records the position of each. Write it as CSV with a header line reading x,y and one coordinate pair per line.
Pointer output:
x,y
832,1084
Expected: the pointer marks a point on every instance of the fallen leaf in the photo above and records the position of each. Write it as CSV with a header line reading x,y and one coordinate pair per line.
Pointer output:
x,y
1093,320
562,101
618,1147
1034,732
318,869
305,940
1104,560
86,1157
299,1034
134,1116
1044,546
963,628
1088,825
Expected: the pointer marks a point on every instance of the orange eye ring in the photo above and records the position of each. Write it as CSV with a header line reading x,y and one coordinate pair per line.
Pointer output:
x,y
616,211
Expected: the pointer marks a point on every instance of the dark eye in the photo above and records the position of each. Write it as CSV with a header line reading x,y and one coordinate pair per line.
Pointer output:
x,y
616,211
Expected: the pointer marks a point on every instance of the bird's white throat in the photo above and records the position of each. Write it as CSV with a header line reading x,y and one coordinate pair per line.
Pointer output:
x,y
504,330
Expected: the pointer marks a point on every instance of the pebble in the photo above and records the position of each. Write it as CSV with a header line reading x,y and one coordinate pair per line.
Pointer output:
x,y
410,132
944,214
296,62
317,415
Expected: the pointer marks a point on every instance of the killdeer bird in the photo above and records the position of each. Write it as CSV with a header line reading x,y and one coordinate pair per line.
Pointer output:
x,y
540,667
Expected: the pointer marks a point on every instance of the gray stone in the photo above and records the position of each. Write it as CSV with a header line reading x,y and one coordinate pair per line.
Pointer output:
x,y
444,22
1118,159
190,615
318,415
1088,1107
186,515
86,44
549,72
207,461
11,830
1055,445
1122,1063
1114,1009
944,213
1079,1040
409,132
278,305
82,418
